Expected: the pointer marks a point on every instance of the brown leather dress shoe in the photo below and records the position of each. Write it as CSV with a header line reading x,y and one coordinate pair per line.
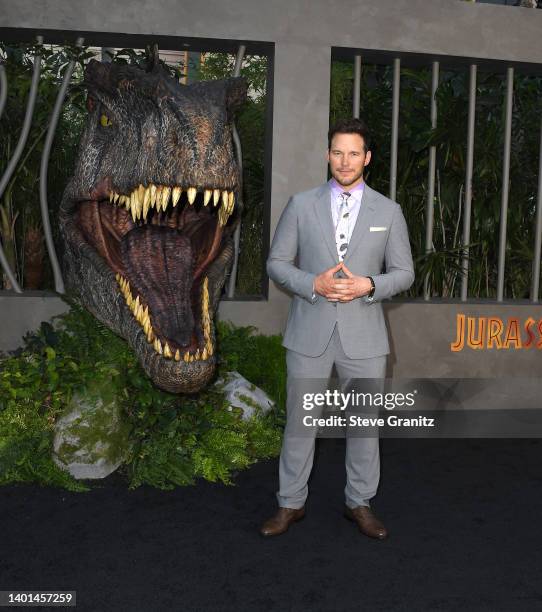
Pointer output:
x,y
366,521
281,521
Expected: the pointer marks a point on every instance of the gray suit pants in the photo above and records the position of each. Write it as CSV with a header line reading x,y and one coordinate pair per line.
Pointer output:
x,y
297,454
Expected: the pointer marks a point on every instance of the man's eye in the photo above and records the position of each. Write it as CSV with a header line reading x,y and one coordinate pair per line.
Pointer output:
x,y
105,121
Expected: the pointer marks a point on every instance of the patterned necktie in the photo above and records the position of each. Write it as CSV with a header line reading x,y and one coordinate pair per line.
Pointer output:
x,y
343,224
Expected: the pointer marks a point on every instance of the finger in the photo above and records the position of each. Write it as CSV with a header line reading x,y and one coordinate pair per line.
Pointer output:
x,y
341,290
339,296
347,271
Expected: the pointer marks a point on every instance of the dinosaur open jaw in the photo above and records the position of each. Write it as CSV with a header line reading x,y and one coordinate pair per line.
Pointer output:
x,y
143,317
143,199
159,241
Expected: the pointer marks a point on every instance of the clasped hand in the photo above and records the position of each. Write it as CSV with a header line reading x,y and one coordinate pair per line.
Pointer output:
x,y
341,289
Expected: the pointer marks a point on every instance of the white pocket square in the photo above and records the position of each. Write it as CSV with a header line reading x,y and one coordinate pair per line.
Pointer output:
x,y
377,229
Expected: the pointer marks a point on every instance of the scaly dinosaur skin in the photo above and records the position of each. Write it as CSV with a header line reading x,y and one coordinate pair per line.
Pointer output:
x,y
146,220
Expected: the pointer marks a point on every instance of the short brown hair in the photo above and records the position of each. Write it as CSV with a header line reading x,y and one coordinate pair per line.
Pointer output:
x,y
350,126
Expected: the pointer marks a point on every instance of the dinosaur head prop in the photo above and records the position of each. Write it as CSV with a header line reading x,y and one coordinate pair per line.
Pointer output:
x,y
148,217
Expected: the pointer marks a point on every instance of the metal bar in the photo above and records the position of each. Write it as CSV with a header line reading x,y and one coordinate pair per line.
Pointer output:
x,y
468,184
395,126
357,86
3,89
430,208
239,155
57,273
18,151
538,230
107,54
505,182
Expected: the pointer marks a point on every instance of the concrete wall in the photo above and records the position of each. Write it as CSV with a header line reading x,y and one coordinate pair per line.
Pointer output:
x,y
421,333
21,313
303,33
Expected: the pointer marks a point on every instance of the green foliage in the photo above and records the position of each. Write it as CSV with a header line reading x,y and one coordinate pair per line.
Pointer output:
x,y
173,439
260,359
27,413
19,208
20,202
250,123
415,136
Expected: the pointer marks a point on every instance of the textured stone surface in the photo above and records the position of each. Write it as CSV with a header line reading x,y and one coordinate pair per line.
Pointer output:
x,y
91,437
241,393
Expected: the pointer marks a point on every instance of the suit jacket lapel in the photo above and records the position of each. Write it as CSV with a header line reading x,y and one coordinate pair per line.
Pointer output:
x,y
322,205
368,206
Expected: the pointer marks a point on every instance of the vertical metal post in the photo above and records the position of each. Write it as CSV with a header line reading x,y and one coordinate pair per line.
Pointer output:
x,y
468,184
3,89
357,86
430,208
538,230
239,155
193,63
505,182
395,127
107,53
18,151
57,273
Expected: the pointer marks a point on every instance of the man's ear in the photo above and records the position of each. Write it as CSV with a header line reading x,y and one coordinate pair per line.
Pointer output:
x,y
367,158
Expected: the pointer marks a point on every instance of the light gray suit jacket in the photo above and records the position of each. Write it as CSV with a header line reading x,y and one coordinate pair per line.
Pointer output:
x,y
304,246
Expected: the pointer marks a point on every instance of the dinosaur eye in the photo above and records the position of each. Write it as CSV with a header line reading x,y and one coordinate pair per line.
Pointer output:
x,y
105,121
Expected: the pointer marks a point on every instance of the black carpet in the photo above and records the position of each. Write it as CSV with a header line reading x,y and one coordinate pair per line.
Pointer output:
x,y
465,534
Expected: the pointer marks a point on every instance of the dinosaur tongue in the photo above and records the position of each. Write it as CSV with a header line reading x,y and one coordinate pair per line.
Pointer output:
x,y
159,264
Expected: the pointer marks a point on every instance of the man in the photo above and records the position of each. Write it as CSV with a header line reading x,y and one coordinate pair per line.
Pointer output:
x,y
329,249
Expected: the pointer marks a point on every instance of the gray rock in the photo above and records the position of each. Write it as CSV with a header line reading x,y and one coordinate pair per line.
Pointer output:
x,y
240,393
91,436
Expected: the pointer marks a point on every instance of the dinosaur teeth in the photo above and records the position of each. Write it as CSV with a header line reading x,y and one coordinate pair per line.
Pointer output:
x,y
142,316
146,202
226,207
191,193
140,312
133,205
176,194
113,196
139,202
206,320
166,192
158,197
